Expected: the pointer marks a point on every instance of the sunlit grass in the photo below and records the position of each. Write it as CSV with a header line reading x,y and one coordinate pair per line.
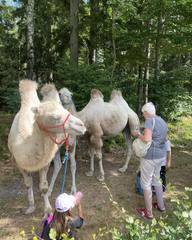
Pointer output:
x,y
180,133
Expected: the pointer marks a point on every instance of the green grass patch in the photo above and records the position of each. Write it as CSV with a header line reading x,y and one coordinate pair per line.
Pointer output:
x,y
180,133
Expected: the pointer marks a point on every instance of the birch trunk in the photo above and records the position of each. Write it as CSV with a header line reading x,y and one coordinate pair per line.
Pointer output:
x,y
30,43
74,10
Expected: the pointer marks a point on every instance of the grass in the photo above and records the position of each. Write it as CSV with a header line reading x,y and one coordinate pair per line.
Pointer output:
x,y
180,133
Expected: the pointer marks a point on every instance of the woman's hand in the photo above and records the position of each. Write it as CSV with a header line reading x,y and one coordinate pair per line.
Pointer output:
x,y
136,133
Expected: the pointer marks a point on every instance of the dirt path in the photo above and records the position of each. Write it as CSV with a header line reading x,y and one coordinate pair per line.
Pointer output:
x,y
96,204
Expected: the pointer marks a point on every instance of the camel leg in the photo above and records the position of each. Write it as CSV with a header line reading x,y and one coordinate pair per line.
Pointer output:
x,y
43,183
43,186
129,151
57,167
101,175
91,153
29,184
73,168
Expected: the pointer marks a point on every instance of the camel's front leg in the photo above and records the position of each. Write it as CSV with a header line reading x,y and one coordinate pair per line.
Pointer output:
x,y
129,152
73,168
29,184
43,183
91,153
57,167
43,186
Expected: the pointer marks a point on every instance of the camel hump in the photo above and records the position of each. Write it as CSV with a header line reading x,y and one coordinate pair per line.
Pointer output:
x,y
95,93
115,93
27,85
47,88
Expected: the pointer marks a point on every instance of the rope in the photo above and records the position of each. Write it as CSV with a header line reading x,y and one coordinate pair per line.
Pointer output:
x,y
46,130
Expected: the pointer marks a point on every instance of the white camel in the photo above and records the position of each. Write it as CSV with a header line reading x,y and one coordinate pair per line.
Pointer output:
x,y
33,135
49,92
105,119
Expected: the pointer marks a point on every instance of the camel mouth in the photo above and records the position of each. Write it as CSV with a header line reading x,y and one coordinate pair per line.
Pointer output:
x,y
78,130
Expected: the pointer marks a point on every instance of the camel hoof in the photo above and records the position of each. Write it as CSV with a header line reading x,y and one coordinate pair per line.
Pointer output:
x,y
30,210
73,190
89,174
122,169
101,178
47,213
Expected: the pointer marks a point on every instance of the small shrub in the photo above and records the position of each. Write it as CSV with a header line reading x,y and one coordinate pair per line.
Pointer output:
x,y
132,228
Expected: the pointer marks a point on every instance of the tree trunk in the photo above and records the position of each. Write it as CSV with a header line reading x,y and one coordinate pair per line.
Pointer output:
x,y
147,67
94,9
139,90
30,43
74,10
113,43
157,47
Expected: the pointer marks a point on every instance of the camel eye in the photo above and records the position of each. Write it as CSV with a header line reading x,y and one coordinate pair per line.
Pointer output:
x,y
56,117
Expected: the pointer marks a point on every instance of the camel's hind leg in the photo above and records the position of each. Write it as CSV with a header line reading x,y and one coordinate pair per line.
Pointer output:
x,y
91,153
101,176
29,184
129,150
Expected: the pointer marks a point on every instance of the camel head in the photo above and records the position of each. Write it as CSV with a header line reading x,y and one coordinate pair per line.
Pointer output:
x,y
95,94
52,116
65,96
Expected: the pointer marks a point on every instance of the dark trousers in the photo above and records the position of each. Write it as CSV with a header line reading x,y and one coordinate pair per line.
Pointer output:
x,y
163,177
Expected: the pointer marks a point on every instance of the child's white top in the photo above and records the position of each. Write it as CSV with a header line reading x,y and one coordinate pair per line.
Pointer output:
x,y
168,149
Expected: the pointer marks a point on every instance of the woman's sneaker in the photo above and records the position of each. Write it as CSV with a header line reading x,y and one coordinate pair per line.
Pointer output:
x,y
144,213
155,205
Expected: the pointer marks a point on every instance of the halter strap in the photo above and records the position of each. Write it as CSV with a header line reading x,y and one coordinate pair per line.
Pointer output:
x,y
46,130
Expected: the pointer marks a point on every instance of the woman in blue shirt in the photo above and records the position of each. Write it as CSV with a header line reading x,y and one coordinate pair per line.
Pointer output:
x,y
155,131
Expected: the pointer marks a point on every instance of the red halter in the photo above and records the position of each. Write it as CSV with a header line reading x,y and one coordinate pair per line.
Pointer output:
x,y
46,130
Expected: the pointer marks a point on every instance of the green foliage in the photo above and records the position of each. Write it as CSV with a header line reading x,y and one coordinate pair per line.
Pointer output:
x,y
172,93
82,79
114,143
180,132
159,229
10,99
5,122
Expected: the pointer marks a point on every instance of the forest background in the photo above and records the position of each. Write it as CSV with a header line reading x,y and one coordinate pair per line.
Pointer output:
x,y
142,47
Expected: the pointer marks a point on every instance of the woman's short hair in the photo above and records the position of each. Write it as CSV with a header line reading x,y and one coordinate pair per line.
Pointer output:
x,y
149,108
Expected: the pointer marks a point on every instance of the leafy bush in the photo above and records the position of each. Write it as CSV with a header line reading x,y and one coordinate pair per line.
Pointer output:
x,y
82,79
180,132
10,99
162,229
172,93
115,142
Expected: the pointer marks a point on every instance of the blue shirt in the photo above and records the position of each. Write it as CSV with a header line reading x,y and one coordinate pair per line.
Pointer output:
x,y
157,149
